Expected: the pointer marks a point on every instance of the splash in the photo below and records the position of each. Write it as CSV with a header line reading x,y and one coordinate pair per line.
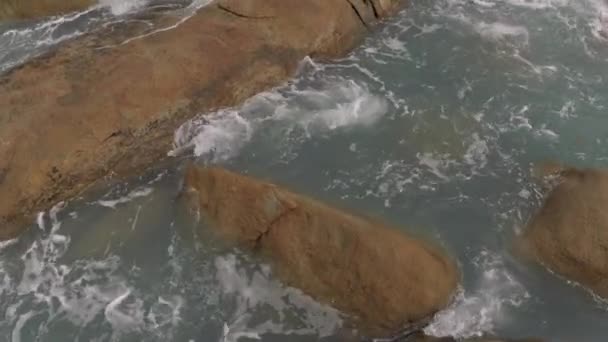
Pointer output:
x,y
121,7
338,105
137,193
479,311
65,291
341,105
79,294
498,31
219,135
19,43
254,292
477,152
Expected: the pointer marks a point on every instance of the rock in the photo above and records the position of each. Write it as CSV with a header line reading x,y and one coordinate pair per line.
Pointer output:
x,y
569,234
28,9
426,338
381,278
107,103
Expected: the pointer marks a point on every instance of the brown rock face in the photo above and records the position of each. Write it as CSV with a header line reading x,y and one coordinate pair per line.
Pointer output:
x,y
28,9
102,105
425,338
383,279
570,232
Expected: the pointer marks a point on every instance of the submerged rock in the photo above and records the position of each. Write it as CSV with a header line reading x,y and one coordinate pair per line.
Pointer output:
x,y
381,278
569,234
107,104
28,9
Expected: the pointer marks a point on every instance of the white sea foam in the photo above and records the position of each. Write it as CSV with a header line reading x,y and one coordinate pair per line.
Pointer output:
x,y
137,193
498,31
166,312
434,163
22,43
121,7
19,44
343,105
395,44
254,290
477,152
50,283
568,110
538,4
16,334
547,133
480,310
599,19
220,136
78,292
7,243
124,315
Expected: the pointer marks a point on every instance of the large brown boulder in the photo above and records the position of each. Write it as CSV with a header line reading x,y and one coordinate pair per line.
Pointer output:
x,y
107,104
28,9
383,279
569,234
426,338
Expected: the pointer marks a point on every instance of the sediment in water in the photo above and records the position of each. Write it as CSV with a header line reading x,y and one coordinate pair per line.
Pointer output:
x,y
107,104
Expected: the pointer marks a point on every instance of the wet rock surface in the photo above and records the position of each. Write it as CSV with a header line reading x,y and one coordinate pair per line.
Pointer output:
x,y
11,10
426,338
569,234
107,104
381,278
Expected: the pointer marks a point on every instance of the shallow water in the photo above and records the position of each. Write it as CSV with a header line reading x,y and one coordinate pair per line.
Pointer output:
x,y
434,123
20,41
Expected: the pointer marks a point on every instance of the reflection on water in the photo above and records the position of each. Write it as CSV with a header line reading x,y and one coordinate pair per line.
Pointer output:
x,y
435,122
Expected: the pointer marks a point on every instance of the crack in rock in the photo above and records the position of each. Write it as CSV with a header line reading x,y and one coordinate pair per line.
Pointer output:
x,y
240,15
290,207
358,13
374,8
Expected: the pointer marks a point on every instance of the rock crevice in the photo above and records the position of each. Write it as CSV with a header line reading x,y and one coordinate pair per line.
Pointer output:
x,y
358,14
241,15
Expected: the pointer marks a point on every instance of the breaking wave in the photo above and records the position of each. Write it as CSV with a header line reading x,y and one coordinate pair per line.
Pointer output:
x,y
480,310
337,105
254,291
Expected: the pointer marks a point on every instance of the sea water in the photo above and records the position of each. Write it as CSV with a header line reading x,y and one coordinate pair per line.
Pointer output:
x,y
434,124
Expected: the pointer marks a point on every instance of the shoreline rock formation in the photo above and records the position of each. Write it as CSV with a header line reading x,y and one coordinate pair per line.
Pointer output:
x,y
382,279
11,10
569,234
107,104
419,337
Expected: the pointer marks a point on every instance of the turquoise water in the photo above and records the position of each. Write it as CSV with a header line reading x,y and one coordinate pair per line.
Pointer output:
x,y
434,123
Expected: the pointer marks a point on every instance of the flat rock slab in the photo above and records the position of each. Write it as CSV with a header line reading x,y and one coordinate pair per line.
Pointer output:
x,y
569,234
381,278
107,104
